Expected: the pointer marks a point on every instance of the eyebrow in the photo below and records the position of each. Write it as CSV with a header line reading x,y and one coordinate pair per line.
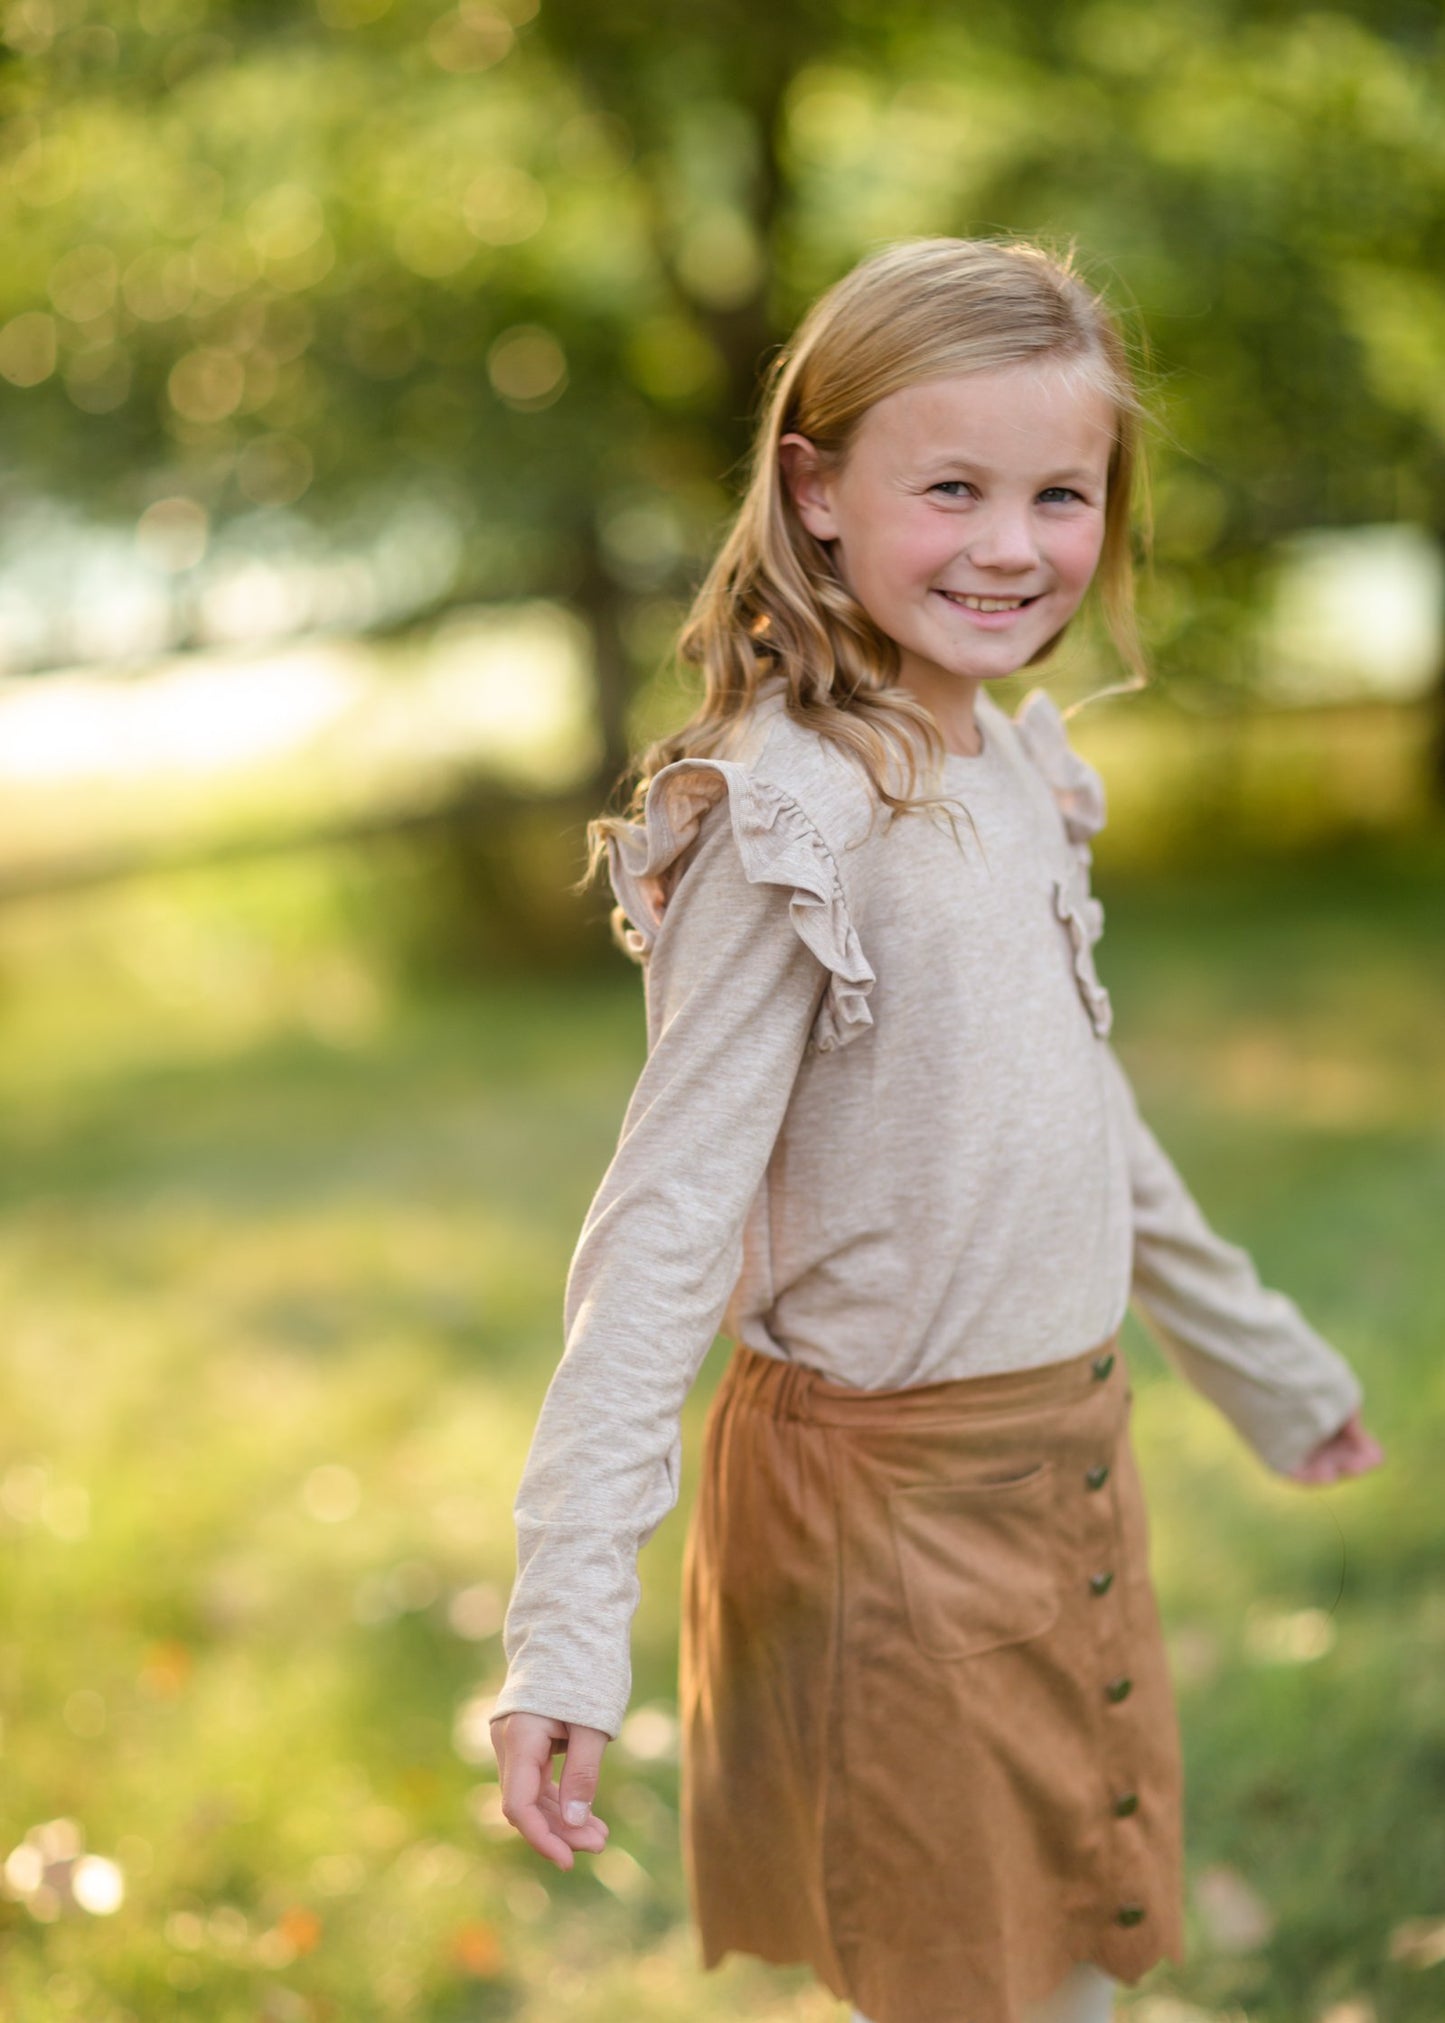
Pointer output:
x,y
949,462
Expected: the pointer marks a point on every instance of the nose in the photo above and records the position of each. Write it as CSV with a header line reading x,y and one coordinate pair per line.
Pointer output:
x,y
1002,538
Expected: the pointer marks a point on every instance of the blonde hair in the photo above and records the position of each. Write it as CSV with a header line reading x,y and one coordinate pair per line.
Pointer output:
x,y
773,602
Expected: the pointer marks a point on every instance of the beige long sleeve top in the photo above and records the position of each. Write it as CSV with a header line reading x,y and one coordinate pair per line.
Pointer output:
x,y
881,1131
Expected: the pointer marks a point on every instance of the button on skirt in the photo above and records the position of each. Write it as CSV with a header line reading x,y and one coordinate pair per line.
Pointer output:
x,y
930,1746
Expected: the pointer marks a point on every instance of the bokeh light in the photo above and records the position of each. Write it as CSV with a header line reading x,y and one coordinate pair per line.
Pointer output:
x,y
377,385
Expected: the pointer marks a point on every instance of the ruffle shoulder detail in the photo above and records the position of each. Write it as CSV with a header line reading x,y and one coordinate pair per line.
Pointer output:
x,y
778,843
1079,792
1075,785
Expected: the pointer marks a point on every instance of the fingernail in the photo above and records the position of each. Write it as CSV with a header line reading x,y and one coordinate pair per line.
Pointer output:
x,y
575,1811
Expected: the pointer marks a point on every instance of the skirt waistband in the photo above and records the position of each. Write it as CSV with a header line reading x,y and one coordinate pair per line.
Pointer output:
x,y
791,1390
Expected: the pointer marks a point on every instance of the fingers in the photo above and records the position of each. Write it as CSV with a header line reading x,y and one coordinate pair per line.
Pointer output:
x,y
524,1750
589,1838
1321,1467
525,1744
1351,1451
1357,1450
1363,1453
578,1782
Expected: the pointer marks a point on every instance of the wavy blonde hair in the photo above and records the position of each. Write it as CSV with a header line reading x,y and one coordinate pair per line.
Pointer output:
x,y
773,602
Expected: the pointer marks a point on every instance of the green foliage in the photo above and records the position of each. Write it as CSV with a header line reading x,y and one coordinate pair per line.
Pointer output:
x,y
308,267
283,1254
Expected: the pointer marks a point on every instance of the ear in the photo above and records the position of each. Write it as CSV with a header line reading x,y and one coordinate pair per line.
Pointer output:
x,y
808,486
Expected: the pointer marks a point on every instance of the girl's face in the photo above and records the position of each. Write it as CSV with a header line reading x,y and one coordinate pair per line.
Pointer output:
x,y
986,485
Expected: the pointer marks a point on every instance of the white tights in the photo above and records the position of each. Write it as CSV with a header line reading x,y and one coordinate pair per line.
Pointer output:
x,y
1086,1996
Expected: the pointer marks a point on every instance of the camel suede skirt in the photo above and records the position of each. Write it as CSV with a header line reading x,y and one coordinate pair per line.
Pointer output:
x,y
930,1746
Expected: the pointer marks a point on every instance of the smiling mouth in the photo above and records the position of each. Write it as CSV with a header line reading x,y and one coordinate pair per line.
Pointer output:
x,y
989,603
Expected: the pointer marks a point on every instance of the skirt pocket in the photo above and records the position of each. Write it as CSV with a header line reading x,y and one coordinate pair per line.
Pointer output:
x,y
976,1560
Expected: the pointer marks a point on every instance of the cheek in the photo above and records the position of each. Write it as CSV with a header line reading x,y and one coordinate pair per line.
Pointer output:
x,y
912,549
1076,553
884,563
894,551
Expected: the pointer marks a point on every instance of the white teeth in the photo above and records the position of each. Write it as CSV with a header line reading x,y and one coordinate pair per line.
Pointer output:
x,y
988,603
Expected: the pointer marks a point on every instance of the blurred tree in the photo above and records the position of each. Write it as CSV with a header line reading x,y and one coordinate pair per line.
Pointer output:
x,y
466,302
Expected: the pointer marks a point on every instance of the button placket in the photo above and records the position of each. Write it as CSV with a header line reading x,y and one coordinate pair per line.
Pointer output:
x,y
1123,1801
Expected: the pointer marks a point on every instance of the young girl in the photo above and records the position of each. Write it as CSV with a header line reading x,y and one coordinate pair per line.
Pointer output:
x,y
883,1143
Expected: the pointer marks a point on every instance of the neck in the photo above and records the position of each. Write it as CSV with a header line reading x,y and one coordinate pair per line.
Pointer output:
x,y
949,700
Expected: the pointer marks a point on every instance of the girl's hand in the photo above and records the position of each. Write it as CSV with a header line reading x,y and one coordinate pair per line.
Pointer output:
x,y
1350,1451
546,1814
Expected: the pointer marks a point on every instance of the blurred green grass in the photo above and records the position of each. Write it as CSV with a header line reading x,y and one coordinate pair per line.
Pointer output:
x,y
283,1250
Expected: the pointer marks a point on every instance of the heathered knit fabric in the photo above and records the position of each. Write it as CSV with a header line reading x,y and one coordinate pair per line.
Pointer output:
x,y
881,1129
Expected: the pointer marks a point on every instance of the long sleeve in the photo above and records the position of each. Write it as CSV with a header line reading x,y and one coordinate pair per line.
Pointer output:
x,y
733,991
1246,1347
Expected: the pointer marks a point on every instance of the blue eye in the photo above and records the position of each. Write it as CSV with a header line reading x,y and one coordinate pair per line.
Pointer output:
x,y
953,486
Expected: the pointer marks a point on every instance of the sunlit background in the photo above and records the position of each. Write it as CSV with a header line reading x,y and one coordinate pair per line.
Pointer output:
x,y
375,379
